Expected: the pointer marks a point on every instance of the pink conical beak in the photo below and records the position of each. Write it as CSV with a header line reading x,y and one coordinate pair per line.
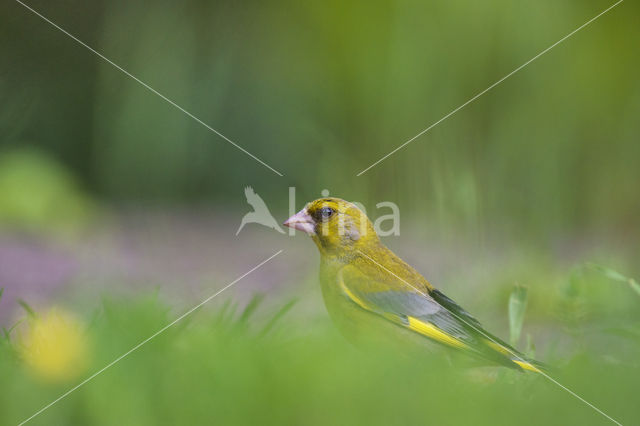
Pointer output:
x,y
302,222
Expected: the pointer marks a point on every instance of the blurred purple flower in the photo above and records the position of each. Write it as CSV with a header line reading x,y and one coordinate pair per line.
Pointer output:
x,y
30,270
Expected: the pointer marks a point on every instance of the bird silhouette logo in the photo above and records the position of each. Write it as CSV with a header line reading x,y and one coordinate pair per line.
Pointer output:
x,y
260,213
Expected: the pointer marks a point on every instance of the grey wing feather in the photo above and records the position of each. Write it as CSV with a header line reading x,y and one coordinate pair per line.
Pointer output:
x,y
406,304
411,303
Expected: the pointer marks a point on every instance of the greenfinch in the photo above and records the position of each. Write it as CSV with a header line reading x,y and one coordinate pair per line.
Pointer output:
x,y
367,287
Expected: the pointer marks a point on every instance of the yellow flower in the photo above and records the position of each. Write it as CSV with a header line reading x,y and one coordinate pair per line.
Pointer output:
x,y
54,346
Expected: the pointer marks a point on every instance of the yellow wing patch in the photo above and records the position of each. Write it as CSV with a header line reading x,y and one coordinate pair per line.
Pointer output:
x,y
524,364
434,332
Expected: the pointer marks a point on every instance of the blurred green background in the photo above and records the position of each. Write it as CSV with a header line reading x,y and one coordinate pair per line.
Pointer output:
x,y
110,197
322,90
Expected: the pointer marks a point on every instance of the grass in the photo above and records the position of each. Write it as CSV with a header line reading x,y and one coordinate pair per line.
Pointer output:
x,y
241,366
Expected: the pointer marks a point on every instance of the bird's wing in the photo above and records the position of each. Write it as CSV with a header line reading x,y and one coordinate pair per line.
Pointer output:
x,y
428,313
255,200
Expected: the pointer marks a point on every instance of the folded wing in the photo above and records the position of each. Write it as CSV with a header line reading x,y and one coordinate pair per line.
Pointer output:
x,y
427,312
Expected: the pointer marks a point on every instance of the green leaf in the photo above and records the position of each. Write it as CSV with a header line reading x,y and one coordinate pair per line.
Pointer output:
x,y
1,291
517,308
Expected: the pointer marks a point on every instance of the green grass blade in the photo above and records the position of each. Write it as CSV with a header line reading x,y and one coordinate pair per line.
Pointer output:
x,y
27,308
251,307
281,313
615,276
608,272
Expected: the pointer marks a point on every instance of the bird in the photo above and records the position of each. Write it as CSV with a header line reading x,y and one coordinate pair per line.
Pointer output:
x,y
366,287
260,213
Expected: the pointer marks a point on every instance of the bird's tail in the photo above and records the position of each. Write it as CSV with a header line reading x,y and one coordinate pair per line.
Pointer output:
x,y
517,360
529,364
244,222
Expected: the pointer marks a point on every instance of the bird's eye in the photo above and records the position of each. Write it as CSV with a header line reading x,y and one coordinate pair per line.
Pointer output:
x,y
326,212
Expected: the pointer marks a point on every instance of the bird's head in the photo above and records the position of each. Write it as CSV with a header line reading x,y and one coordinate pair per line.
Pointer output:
x,y
338,227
